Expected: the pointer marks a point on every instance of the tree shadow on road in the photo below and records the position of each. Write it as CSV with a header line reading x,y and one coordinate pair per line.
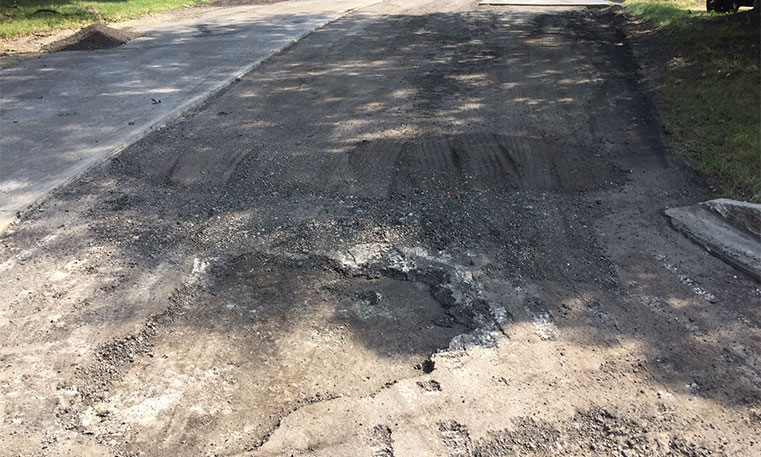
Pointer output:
x,y
516,152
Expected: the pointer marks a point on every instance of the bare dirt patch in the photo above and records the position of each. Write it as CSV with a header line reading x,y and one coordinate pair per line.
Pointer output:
x,y
269,331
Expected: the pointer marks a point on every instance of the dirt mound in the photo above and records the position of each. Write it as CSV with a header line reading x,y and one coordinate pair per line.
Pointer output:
x,y
96,36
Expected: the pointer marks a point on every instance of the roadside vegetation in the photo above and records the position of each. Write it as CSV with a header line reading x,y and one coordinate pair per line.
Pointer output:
x,y
711,90
22,17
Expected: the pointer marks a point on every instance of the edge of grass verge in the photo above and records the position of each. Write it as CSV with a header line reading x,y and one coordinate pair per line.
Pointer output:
x,y
710,91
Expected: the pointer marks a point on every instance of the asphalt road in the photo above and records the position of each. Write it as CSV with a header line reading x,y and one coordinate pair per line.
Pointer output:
x,y
62,113
428,228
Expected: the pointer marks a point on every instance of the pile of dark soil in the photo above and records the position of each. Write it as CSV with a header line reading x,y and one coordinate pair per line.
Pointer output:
x,y
96,36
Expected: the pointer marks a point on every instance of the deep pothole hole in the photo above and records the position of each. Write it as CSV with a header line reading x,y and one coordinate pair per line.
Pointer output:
x,y
280,332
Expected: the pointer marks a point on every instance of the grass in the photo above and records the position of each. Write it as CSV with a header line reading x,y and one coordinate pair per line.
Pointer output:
x,y
23,17
711,91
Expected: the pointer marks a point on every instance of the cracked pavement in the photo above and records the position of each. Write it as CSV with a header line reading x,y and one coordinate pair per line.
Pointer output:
x,y
428,228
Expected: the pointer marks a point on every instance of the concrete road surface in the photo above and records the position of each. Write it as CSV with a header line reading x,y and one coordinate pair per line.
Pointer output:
x,y
426,229
64,112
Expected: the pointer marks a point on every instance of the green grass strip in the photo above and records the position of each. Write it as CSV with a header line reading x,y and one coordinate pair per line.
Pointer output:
x,y
712,90
23,17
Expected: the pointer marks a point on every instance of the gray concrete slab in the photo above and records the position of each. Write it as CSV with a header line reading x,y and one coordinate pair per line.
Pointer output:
x,y
546,2
65,112
744,215
721,235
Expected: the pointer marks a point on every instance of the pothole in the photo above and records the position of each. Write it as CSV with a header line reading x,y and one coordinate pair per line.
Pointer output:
x,y
281,331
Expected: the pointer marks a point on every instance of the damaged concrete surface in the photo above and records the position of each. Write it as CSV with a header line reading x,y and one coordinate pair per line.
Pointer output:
x,y
728,229
429,228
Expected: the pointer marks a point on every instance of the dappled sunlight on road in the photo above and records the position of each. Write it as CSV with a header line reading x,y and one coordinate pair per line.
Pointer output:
x,y
438,225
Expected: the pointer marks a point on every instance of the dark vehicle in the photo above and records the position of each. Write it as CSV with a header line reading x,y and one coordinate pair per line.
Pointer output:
x,y
725,6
